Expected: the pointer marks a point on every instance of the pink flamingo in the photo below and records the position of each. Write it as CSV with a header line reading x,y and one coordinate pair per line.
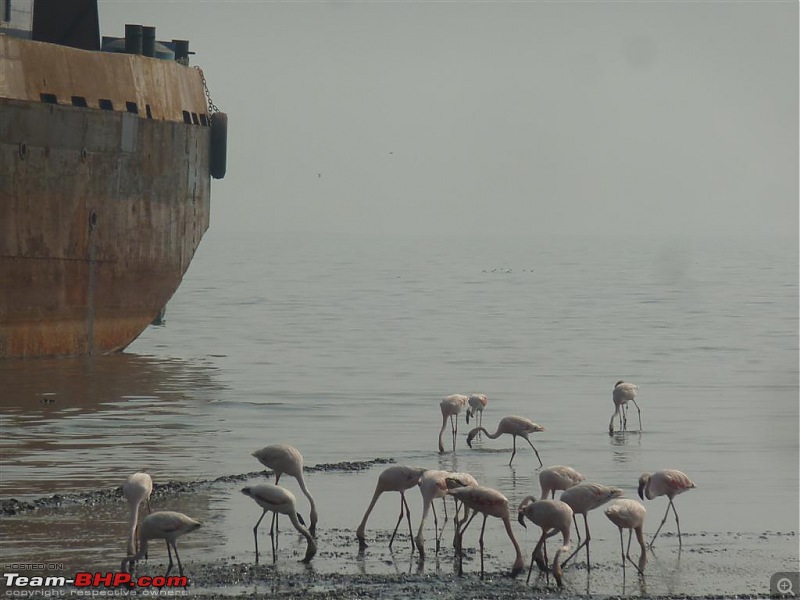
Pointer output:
x,y
136,489
434,484
622,394
477,402
552,516
516,426
669,483
560,478
394,479
163,525
283,458
488,502
279,500
629,514
451,407
582,498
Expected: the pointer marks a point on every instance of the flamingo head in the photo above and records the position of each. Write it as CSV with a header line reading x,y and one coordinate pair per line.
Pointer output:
x,y
470,436
620,381
643,481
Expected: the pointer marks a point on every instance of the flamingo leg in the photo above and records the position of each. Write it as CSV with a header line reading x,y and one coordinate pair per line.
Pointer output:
x,y
611,423
664,520
535,556
169,552
400,518
584,543
408,518
454,427
677,522
436,526
513,450
575,522
625,417
640,414
535,450
177,557
480,542
460,538
255,532
622,549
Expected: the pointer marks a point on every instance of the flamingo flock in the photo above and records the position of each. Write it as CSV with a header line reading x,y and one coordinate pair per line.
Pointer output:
x,y
551,515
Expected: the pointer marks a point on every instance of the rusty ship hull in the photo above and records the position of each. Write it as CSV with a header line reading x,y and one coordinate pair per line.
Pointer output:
x,y
104,194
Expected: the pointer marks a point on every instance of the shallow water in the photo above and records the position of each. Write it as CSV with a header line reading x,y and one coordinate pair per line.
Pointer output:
x,y
344,346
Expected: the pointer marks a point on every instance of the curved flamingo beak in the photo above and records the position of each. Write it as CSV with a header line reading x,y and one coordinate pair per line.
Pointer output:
x,y
641,489
521,519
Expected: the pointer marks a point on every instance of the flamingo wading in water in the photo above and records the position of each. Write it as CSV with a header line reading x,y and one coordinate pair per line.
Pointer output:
x,y
273,498
136,489
488,502
394,479
516,426
477,402
629,514
283,458
552,516
451,407
560,478
582,498
669,483
163,525
432,485
622,394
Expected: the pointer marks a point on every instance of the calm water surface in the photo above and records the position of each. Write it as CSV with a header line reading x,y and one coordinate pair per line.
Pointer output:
x,y
343,347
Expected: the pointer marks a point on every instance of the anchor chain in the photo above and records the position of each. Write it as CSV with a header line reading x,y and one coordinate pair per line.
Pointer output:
x,y
212,108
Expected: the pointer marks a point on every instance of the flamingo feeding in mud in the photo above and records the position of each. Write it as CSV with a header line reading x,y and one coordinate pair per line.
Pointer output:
x,y
275,499
629,514
393,479
163,525
433,485
582,498
136,489
488,502
622,394
552,516
515,426
451,407
477,402
283,458
669,483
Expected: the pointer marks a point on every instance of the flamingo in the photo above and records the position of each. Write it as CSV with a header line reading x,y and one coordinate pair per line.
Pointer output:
x,y
477,402
279,500
629,514
582,498
552,516
669,483
434,484
451,406
622,394
283,458
162,525
516,426
393,479
489,502
137,489
560,478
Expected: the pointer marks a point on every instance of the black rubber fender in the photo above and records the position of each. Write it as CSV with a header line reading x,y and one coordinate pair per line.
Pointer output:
x,y
219,145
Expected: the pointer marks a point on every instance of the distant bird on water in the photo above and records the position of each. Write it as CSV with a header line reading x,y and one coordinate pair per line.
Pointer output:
x,y
552,516
477,402
163,525
669,483
275,499
136,489
582,498
629,514
622,394
451,407
488,502
515,426
394,479
283,458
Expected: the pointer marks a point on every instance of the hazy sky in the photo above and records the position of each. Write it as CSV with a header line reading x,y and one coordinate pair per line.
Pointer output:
x,y
494,117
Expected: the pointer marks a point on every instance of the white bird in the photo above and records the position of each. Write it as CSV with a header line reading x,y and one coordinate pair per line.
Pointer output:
x,y
552,516
283,458
622,394
669,483
582,498
434,484
136,489
488,502
393,479
451,406
629,514
163,525
516,426
477,402
275,499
